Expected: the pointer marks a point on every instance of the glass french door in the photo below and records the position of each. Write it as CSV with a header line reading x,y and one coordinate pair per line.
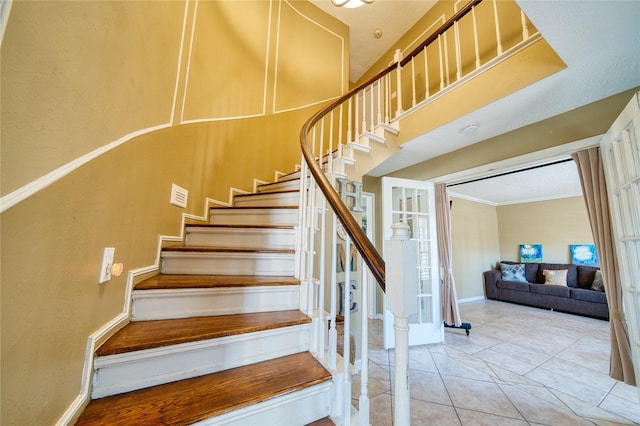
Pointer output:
x,y
621,160
413,203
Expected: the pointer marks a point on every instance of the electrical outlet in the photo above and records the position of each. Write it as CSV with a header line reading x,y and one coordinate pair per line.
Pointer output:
x,y
107,264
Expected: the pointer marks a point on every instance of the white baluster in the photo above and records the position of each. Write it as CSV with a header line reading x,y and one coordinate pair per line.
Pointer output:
x,y
379,118
458,51
357,118
363,405
446,59
426,75
475,37
333,334
498,36
371,103
346,358
323,237
349,120
398,58
302,238
364,110
310,220
413,83
525,26
441,63
387,101
340,127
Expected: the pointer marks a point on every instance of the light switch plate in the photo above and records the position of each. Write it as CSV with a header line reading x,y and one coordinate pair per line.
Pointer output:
x,y
107,264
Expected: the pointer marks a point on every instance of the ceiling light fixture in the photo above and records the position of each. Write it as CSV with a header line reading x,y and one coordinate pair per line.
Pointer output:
x,y
351,4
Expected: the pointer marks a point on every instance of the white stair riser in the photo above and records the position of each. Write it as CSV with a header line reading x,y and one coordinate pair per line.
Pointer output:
x,y
255,216
196,263
185,303
243,238
285,185
121,373
295,408
267,199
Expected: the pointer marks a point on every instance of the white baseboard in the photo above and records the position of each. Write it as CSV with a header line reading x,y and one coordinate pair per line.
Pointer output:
x,y
471,299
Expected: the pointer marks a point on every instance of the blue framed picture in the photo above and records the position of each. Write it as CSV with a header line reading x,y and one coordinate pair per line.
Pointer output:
x,y
584,254
530,253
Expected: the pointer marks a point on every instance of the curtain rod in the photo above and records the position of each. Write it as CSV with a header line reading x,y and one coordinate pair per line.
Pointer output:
x,y
511,172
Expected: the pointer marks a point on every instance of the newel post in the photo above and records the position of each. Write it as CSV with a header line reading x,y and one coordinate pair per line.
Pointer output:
x,y
402,281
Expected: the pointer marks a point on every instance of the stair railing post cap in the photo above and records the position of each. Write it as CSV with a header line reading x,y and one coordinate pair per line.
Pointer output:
x,y
400,231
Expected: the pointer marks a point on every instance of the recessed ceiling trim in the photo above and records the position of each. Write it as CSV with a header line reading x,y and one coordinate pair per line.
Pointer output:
x,y
524,169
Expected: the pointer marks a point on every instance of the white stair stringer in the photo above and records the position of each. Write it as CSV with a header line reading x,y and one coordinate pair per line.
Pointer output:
x,y
114,374
197,302
241,237
298,408
228,263
268,199
254,216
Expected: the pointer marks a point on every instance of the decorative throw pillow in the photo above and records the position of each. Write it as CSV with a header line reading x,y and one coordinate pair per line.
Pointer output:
x,y
597,285
557,277
515,272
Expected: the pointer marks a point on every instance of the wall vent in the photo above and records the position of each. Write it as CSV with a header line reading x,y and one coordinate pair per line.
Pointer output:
x,y
179,196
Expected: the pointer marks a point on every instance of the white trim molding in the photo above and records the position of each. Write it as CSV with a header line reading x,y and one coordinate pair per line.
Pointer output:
x,y
42,182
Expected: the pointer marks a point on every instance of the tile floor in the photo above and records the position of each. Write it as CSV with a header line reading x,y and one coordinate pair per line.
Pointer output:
x,y
518,366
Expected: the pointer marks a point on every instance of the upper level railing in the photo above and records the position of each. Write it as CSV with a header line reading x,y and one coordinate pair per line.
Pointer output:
x,y
474,38
364,246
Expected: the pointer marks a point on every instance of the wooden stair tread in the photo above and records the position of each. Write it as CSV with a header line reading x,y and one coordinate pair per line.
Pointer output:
x,y
284,191
207,249
325,421
191,400
208,225
279,182
142,335
169,281
253,208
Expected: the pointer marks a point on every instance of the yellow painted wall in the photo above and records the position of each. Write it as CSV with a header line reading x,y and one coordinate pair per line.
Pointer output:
x,y
474,237
553,223
110,98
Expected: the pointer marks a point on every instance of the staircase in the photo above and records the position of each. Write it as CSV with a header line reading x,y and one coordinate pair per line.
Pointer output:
x,y
218,337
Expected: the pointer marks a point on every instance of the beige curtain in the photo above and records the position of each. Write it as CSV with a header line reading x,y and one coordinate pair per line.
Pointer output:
x,y
451,314
594,190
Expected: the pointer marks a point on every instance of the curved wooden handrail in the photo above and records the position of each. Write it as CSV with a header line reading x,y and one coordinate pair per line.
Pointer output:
x,y
365,247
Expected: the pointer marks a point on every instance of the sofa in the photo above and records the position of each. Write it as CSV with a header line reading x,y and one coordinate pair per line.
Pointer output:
x,y
581,292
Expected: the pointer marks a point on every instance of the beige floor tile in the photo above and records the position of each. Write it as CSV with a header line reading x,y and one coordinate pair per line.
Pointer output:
x,y
479,396
456,368
622,407
427,413
428,387
622,390
540,410
505,361
574,379
420,359
475,418
589,411
380,412
532,355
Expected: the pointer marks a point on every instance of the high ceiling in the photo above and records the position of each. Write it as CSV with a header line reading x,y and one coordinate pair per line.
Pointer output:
x,y
599,41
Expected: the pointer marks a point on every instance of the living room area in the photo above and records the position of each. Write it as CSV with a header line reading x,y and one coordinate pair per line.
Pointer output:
x,y
519,364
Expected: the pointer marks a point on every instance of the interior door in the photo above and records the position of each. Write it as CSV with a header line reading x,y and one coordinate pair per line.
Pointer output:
x,y
413,202
621,159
